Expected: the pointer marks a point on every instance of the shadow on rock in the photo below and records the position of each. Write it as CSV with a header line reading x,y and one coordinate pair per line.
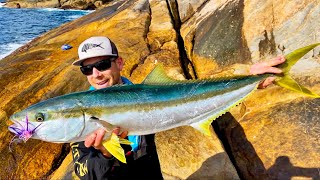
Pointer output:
x,y
241,152
212,169
284,169
245,159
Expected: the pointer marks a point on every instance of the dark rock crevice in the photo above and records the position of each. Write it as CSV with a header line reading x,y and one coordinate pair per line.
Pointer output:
x,y
239,149
184,60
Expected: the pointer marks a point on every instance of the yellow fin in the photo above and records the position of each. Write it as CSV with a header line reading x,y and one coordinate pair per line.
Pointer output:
x,y
294,56
285,80
158,76
114,147
125,141
288,83
203,126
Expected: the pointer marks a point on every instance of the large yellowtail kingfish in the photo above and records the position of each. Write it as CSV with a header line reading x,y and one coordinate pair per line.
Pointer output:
x,y
158,104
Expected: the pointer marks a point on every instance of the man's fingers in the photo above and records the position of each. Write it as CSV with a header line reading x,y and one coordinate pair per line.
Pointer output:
x,y
116,131
266,82
124,134
262,69
272,70
267,66
99,138
89,141
95,139
276,61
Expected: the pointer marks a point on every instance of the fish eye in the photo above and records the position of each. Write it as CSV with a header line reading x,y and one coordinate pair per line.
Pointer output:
x,y
40,117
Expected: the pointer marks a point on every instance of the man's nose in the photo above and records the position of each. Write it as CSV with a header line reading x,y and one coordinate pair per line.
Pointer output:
x,y
95,72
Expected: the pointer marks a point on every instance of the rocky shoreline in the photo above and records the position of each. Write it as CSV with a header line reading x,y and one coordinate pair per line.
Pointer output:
x,y
61,4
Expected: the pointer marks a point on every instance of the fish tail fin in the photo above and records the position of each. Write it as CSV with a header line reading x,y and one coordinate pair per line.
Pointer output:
x,y
285,80
114,147
291,84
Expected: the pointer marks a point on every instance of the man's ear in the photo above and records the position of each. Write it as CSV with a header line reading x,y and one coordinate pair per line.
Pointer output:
x,y
119,63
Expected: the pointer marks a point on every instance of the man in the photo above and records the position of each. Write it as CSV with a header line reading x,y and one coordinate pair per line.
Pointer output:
x,y
100,62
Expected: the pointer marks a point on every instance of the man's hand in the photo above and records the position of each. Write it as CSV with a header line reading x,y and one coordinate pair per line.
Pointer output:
x,y
267,67
95,139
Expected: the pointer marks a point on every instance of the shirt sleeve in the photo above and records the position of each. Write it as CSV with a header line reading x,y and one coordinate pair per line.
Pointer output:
x,y
89,163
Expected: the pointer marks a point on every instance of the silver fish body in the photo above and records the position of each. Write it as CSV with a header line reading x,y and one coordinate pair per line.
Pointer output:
x,y
140,109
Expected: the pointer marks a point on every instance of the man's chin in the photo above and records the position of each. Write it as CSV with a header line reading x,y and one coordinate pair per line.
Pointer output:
x,y
100,86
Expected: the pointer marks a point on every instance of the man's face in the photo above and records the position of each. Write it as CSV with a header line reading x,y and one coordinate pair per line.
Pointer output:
x,y
106,78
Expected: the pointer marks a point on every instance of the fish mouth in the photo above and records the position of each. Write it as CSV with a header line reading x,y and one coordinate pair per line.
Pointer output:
x,y
26,124
19,128
15,127
17,124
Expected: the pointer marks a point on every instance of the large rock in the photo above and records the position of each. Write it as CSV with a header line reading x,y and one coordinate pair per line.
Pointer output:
x,y
213,37
185,153
262,134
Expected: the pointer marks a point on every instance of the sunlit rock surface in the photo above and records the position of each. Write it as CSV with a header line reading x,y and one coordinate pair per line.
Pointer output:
x,y
186,153
162,42
273,134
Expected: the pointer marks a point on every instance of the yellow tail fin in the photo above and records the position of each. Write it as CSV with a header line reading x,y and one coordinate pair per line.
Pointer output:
x,y
114,147
285,80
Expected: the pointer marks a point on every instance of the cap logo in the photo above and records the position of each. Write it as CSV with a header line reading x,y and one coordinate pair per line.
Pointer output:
x,y
88,46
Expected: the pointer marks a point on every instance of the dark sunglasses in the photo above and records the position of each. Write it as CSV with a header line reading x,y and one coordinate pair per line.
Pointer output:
x,y
100,65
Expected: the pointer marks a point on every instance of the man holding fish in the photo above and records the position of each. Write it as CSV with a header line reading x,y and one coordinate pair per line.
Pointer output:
x,y
100,62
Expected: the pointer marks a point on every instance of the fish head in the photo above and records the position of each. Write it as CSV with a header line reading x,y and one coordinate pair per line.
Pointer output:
x,y
51,121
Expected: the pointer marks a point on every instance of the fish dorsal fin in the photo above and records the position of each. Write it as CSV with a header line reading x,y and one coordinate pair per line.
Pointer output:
x,y
158,76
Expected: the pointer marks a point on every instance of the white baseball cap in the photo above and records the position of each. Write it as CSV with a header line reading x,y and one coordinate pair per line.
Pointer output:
x,y
95,47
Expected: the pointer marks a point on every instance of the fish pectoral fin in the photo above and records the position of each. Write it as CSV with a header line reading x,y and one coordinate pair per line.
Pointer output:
x,y
103,124
114,147
203,126
125,141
